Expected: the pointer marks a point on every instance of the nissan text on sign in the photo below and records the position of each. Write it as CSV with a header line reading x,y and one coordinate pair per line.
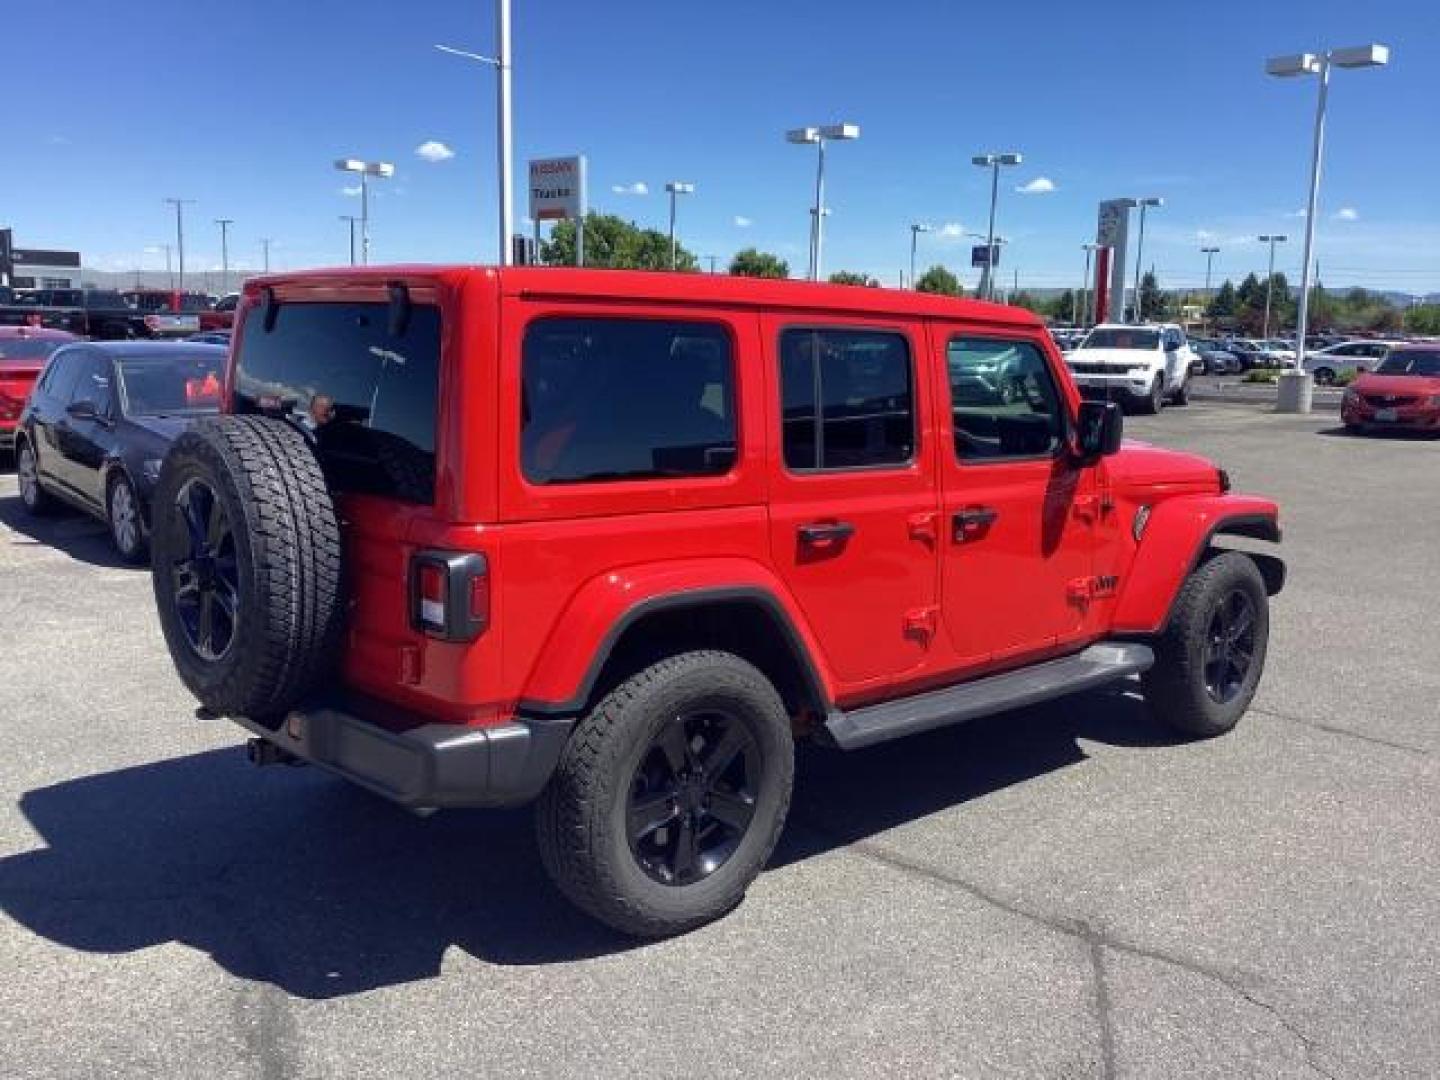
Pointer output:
x,y
557,189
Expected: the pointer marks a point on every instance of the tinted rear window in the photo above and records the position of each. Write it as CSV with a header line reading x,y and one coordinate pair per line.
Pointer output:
x,y
1411,362
1122,339
368,398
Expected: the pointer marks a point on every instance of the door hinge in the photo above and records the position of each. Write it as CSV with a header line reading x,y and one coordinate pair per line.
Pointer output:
x,y
921,622
1089,507
922,526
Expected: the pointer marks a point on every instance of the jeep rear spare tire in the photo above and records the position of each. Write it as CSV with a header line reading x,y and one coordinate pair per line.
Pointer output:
x,y
247,565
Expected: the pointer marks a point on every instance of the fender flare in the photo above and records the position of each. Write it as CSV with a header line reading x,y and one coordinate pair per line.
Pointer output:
x,y
601,611
1179,533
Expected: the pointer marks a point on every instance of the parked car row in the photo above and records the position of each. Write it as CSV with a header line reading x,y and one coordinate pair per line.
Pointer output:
x,y
114,315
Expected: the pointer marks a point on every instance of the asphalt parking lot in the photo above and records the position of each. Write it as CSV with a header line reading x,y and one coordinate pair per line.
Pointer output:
x,y
1063,892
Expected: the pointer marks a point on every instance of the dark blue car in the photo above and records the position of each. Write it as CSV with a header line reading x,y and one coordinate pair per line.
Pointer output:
x,y
99,421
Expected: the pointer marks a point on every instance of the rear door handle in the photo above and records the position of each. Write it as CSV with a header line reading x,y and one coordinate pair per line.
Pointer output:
x,y
826,532
973,519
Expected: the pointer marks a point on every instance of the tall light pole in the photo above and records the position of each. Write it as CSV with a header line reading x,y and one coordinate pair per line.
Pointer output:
x,y
179,205
505,154
916,228
820,136
352,219
1083,300
169,268
265,252
1209,253
676,188
1294,392
1149,200
224,224
382,170
1272,239
993,163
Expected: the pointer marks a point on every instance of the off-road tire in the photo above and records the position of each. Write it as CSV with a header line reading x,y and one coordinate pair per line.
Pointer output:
x,y
1181,396
580,817
136,551
1175,686
1324,376
288,558
38,502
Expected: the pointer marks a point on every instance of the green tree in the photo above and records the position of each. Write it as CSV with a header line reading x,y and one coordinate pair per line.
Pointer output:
x,y
1062,308
1224,303
753,263
1423,319
938,280
1152,300
850,277
613,243
1023,299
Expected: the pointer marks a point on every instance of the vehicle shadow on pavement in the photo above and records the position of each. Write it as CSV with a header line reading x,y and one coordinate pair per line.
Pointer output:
x,y
81,537
294,878
1396,435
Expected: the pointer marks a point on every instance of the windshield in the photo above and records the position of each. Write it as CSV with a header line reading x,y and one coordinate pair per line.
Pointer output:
x,y
1122,339
103,299
1411,362
367,396
171,384
26,352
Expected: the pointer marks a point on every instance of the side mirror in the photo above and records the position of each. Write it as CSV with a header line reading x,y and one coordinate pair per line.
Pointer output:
x,y
82,410
1099,429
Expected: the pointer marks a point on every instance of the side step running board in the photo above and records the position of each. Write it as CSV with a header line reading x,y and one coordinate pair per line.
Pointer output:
x,y
1101,663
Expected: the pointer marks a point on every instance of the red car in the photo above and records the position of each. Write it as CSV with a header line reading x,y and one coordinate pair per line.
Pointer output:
x,y
614,542
23,352
1401,394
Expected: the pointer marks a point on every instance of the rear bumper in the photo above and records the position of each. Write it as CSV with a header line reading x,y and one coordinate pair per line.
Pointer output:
x,y
429,766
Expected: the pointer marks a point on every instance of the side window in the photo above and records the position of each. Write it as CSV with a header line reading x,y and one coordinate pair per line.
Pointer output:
x,y
61,375
92,382
847,399
1173,340
1003,399
626,399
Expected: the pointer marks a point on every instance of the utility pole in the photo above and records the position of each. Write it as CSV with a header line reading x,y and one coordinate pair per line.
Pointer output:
x,y
179,205
224,224
265,250
351,218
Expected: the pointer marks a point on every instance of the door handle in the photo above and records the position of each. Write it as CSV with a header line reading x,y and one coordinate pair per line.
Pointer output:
x,y
825,532
973,519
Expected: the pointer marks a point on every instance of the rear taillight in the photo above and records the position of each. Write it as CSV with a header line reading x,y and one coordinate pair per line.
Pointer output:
x,y
450,594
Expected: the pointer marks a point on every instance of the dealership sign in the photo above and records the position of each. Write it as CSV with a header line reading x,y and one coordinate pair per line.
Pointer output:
x,y
557,188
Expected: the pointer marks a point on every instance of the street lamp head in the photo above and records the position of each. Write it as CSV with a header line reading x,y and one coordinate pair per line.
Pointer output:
x,y
1090,247
920,227
1286,67
1273,238
1151,200
1209,251
678,187
988,160
983,160
803,135
840,131
1358,56
1011,159
382,169
350,165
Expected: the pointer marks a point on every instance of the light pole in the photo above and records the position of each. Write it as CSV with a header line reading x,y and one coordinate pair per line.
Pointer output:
x,y
993,163
676,188
916,228
169,269
1149,200
179,205
1294,391
820,136
1209,253
224,224
265,252
382,170
505,134
1272,239
1084,297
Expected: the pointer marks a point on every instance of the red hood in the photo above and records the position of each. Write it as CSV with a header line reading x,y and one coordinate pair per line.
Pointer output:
x,y
1141,465
1406,385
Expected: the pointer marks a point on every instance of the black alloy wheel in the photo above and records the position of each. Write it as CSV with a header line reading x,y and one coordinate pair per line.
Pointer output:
x,y
692,797
206,576
1230,646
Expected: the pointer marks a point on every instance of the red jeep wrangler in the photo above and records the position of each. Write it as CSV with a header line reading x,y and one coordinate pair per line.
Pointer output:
x,y
471,536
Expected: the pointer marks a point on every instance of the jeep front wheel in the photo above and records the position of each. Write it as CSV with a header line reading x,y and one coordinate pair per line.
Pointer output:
x,y
1209,658
1150,404
670,795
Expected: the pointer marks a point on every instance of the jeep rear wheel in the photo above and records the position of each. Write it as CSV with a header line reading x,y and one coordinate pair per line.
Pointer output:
x,y
1209,659
247,581
670,795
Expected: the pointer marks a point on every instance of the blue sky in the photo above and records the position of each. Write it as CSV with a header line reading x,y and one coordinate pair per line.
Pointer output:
x,y
243,106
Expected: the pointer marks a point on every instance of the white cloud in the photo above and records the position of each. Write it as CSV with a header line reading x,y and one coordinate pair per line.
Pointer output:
x,y
1297,214
57,140
639,187
951,230
743,222
1204,234
1041,185
351,192
433,150
1347,213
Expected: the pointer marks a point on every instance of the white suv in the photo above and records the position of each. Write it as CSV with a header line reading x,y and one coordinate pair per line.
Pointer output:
x,y
1145,365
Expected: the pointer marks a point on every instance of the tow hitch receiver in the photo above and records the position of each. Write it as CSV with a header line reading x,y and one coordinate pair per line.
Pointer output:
x,y
264,752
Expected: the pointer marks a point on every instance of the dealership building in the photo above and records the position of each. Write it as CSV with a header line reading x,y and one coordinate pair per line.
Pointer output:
x,y
37,268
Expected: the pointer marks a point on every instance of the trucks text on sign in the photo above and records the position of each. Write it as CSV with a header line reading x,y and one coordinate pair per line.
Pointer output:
x,y
557,188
